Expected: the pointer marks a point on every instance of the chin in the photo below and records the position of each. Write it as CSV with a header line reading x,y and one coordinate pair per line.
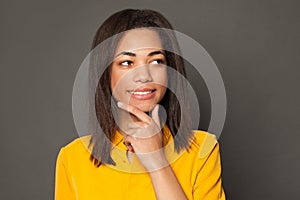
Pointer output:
x,y
144,107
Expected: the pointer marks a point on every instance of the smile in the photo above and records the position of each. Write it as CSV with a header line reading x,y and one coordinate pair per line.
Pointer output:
x,y
142,94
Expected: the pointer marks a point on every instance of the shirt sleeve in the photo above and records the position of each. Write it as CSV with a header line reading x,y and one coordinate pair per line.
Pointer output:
x,y
208,184
64,189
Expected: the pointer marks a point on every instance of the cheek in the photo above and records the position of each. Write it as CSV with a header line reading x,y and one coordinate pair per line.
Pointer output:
x,y
119,84
113,83
161,77
115,78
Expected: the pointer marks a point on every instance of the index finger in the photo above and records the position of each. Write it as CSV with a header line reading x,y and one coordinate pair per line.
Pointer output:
x,y
135,111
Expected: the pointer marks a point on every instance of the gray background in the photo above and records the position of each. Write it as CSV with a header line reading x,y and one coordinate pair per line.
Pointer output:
x,y
254,43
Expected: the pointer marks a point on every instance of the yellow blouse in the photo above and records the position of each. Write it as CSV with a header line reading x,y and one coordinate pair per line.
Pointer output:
x,y
198,170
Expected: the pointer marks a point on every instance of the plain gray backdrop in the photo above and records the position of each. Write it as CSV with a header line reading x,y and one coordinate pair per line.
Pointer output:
x,y
255,44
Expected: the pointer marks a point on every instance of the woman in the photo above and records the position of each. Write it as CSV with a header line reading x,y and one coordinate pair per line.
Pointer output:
x,y
136,154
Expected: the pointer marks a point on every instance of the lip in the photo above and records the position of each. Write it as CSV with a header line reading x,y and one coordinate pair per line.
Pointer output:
x,y
142,93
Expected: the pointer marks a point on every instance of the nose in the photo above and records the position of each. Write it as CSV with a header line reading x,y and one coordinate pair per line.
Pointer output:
x,y
142,74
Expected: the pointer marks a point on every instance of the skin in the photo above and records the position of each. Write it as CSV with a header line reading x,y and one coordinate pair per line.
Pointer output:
x,y
143,66
139,63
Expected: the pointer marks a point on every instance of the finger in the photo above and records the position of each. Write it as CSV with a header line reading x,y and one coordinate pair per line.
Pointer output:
x,y
140,131
155,116
128,144
134,125
135,111
137,132
129,155
130,148
130,141
126,140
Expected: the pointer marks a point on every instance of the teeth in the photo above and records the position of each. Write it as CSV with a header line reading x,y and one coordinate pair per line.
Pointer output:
x,y
141,93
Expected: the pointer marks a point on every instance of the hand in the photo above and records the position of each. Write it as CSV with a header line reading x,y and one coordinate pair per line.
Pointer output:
x,y
144,138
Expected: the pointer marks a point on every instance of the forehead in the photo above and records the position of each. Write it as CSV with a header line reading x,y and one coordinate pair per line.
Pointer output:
x,y
138,39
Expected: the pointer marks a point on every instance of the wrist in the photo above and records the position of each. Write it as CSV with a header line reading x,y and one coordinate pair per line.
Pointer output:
x,y
153,161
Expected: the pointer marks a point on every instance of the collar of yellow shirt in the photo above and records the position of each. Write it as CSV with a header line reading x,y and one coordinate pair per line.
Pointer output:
x,y
119,155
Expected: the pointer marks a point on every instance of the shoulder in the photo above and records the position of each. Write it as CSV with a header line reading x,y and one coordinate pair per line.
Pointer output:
x,y
79,146
78,142
74,158
204,142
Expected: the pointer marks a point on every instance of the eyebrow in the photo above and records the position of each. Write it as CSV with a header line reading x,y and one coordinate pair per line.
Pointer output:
x,y
127,53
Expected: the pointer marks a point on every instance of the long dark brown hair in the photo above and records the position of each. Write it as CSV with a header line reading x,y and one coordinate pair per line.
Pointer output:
x,y
102,103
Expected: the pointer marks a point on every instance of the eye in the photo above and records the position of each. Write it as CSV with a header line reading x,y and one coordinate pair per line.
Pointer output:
x,y
126,63
158,61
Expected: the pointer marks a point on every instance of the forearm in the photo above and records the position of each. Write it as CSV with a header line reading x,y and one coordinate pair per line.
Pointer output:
x,y
166,185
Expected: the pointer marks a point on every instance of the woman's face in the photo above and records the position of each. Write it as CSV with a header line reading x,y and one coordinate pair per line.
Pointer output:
x,y
139,72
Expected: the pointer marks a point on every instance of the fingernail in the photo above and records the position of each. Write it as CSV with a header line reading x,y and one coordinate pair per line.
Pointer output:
x,y
120,104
